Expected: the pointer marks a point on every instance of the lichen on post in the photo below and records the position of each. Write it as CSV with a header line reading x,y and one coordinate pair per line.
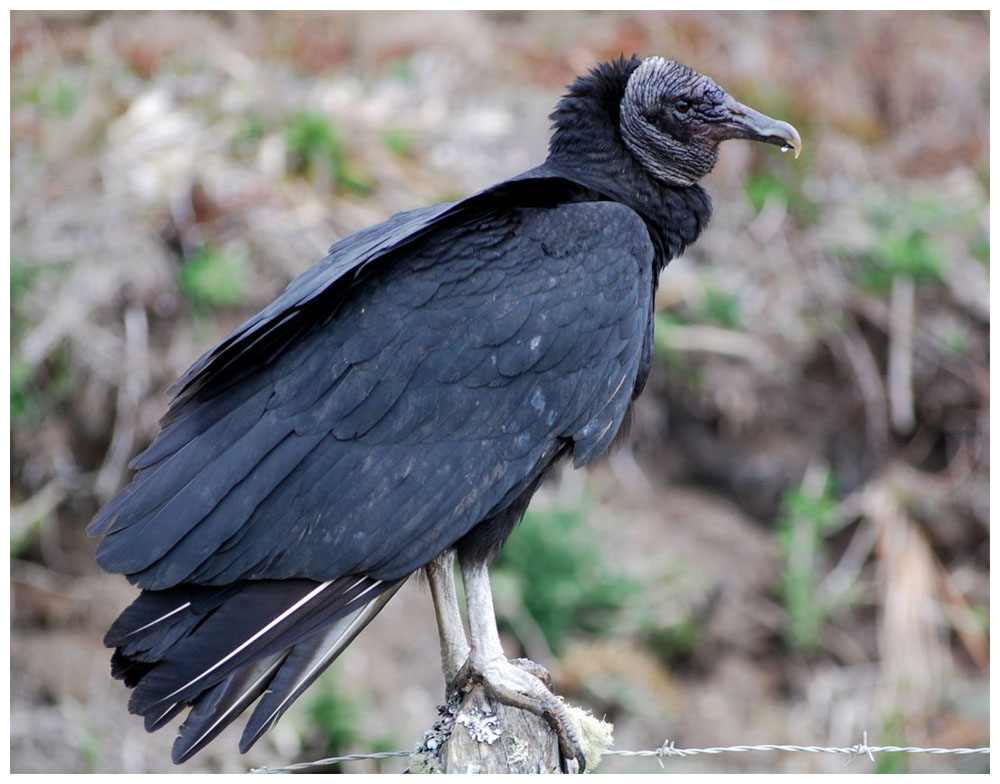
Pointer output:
x,y
476,734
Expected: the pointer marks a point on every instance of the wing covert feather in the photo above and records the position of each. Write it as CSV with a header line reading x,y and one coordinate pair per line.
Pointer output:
x,y
381,436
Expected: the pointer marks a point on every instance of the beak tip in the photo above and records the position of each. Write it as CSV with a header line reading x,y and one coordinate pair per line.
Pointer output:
x,y
747,123
792,138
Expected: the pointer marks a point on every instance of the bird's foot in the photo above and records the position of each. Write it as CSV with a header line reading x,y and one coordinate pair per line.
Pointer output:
x,y
523,684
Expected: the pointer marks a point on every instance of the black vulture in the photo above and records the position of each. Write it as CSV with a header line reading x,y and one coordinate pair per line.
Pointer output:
x,y
399,404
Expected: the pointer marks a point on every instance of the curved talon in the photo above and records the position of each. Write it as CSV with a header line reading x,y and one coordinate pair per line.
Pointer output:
x,y
567,762
569,744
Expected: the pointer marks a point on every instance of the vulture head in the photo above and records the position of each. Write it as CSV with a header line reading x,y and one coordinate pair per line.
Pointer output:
x,y
672,120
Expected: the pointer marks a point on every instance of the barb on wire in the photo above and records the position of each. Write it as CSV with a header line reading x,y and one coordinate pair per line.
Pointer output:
x,y
669,749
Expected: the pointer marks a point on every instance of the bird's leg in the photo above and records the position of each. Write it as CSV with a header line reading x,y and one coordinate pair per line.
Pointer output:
x,y
454,646
512,684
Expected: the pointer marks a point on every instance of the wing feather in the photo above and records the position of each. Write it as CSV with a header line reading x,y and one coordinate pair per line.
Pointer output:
x,y
373,463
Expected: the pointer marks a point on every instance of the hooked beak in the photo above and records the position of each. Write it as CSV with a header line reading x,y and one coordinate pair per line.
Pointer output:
x,y
746,123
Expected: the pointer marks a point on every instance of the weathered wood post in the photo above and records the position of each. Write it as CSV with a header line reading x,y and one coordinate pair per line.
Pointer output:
x,y
478,735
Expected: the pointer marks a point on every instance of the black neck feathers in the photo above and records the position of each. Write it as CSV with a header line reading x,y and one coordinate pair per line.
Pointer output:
x,y
587,147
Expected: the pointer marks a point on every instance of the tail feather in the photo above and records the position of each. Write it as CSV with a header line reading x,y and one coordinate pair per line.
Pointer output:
x,y
221,704
153,721
305,663
218,649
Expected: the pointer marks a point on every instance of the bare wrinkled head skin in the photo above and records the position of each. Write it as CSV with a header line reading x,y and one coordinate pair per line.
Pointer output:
x,y
673,119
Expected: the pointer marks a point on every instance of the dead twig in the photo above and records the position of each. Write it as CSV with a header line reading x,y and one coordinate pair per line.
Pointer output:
x,y
36,509
900,364
866,372
132,389
716,340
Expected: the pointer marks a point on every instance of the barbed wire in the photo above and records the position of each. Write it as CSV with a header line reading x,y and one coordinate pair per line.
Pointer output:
x,y
668,749
299,766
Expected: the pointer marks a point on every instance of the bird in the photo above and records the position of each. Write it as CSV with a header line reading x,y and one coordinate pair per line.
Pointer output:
x,y
396,407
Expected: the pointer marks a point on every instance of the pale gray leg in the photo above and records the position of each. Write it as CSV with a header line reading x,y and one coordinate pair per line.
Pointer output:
x,y
454,646
511,684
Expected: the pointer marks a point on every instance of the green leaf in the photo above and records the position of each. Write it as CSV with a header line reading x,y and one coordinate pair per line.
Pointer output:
x,y
399,142
562,578
913,255
721,308
981,249
761,188
802,525
333,716
212,278
314,144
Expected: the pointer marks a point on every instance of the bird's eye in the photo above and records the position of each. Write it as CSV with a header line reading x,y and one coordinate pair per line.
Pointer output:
x,y
682,105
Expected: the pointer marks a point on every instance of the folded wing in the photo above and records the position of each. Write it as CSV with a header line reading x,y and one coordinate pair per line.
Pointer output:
x,y
279,508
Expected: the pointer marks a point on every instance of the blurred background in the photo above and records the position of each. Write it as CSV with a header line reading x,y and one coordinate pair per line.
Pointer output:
x,y
793,546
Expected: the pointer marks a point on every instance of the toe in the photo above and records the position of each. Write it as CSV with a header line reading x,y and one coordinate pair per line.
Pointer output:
x,y
536,669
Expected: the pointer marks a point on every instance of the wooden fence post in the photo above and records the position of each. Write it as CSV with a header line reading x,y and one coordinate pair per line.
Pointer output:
x,y
477,735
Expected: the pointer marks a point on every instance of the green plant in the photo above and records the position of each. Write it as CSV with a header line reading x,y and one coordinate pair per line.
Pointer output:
x,y
980,249
90,749
761,188
803,523
332,717
20,390
914,255
904,244
314,145
401,68
64,99
399,142
956,340
721,308
35,391
211,278
22,279
561,578
676,641
251,130
892,735
682,366
715,307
